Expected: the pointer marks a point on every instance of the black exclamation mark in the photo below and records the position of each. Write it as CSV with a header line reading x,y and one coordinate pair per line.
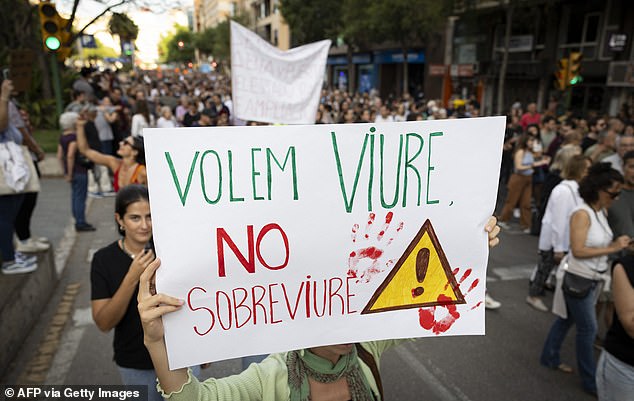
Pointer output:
x,y
422,263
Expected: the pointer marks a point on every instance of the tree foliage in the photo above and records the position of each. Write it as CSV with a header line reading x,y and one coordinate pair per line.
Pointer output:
x,y
205,41
121,25
171,52
313,20
19,27
405,21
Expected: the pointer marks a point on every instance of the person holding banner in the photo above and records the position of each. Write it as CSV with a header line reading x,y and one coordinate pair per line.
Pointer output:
x,y
128,169
341,372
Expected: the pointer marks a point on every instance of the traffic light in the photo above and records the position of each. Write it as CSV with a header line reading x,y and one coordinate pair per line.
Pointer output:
x,y
56,34
561,75
574,68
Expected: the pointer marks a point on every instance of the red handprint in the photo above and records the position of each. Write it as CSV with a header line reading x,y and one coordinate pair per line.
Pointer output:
x,y
427,316
369,256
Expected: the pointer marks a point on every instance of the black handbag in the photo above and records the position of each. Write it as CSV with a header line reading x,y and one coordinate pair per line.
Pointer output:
x,y
577,286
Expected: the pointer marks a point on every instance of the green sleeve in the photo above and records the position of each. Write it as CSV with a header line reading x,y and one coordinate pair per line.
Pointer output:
x,y
267,380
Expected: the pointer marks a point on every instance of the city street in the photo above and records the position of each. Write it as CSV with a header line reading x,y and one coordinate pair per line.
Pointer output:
x,y
502,365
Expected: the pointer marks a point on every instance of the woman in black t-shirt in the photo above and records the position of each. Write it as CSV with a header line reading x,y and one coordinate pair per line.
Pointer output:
x,y
114,279
615,369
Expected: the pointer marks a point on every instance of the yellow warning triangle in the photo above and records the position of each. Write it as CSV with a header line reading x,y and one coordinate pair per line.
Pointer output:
x,y
421,277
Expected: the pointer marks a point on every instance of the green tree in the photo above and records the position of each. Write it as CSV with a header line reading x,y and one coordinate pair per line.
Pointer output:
x,y
406,22
338,20
205,41
312,20
221,48
177,46
122,26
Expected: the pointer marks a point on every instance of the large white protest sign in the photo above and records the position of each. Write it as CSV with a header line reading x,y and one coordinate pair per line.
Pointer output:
x,y
287,237
272,85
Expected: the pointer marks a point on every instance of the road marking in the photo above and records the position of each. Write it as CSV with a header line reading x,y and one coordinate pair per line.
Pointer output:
x,y
65,355
62,252
442,392
68,347
517,272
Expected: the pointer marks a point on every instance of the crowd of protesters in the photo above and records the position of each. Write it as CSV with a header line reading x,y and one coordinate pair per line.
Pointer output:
x,y
567,178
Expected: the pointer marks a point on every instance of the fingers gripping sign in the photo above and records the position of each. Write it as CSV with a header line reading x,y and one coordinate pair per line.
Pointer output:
x,y
153,306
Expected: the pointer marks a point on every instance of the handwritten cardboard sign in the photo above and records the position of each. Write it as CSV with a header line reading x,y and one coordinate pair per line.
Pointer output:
x,y
281,238
272,85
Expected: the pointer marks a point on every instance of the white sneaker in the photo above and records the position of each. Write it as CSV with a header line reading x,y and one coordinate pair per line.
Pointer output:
x,y
504,225
536,303
31,245
25,259
21,264
516,213
490,303
43,240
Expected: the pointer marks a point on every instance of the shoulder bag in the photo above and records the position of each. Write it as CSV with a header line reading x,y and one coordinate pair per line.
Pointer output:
x,y
25,163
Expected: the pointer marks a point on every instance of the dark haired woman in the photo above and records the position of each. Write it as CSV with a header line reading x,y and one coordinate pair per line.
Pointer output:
x,y
128,169
114,278
520,183
141,119
580,278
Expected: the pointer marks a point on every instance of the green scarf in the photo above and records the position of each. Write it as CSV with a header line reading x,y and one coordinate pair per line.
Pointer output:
x,y
304,364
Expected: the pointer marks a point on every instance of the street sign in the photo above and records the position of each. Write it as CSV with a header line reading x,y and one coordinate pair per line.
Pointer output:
x,y
437,70
88,41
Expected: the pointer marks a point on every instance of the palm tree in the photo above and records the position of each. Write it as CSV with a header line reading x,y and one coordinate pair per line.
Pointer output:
x,y
122,26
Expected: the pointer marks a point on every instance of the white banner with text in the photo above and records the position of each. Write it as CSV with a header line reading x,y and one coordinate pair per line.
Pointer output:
x,y
273,85
287,237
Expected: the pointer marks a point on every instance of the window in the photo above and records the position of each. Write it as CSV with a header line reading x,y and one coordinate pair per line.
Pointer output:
x,y
582,32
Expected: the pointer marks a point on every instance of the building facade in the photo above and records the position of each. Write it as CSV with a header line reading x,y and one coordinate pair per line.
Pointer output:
x,y
542,33
263,17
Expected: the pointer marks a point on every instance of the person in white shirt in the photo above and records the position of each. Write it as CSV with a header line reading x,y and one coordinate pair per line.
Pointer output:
x,y
554,238
384,115
141,119
166,120
623,145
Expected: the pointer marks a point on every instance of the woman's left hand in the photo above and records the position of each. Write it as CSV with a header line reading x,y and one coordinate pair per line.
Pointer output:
x,y
493,229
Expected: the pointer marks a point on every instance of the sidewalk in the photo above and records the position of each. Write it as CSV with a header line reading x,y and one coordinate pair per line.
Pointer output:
x,y
24,296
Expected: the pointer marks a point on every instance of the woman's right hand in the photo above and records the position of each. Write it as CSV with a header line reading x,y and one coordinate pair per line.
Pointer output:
x,y
153,306
621,242
140,263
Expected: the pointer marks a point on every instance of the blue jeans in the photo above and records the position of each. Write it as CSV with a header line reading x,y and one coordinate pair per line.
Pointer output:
x,y
9,207
580,312
107,147
615,378
79,191
146,377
